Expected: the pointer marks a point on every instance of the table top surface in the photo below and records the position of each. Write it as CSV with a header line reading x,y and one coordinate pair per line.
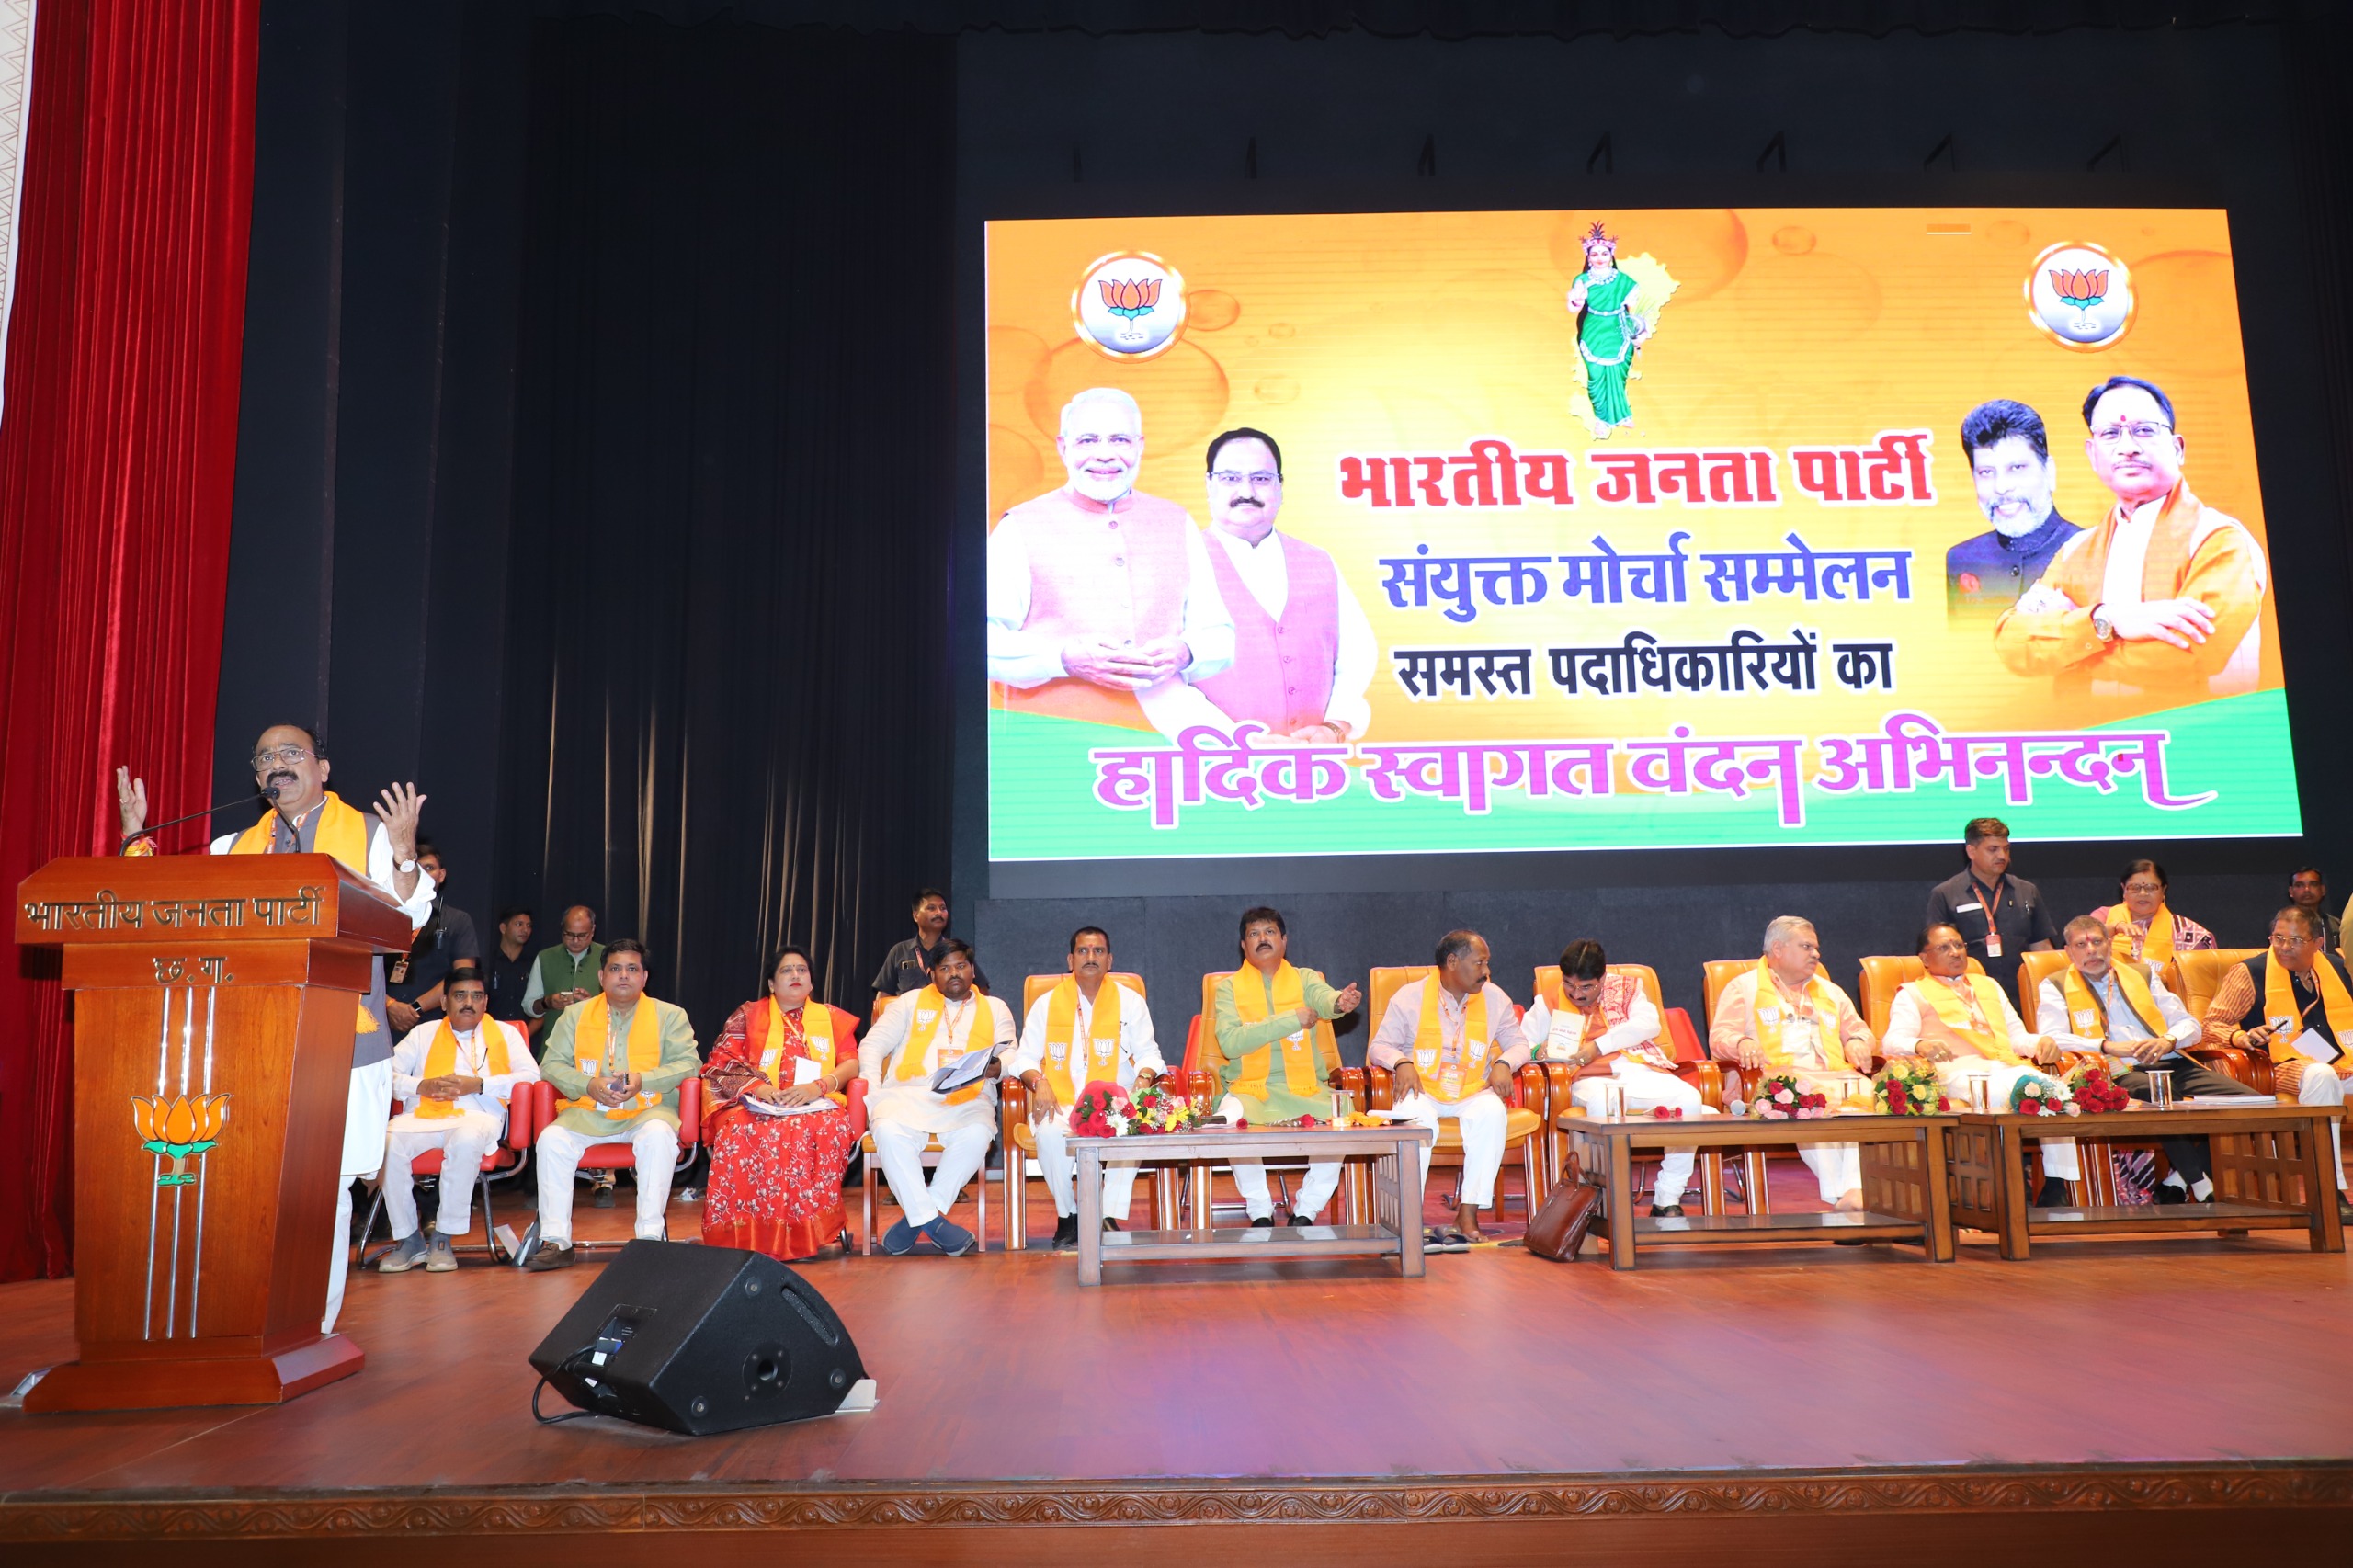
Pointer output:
x,y
2148,1119
1840,1129
1217,1142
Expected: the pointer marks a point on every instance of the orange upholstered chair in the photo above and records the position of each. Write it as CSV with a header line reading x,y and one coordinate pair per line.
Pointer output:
x,y
2200,977
503,1163
1018,1143
1525,1125
618,1156
1695,1069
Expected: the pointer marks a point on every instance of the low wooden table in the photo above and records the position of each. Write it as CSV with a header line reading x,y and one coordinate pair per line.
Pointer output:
x,y
1905,1196
2272,1171
1396,1217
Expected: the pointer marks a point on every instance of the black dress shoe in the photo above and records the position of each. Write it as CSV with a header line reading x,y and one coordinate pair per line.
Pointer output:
x,y
2168,1193
1263,1222
1666,1212
2053,1194
1065,1232
1109,1223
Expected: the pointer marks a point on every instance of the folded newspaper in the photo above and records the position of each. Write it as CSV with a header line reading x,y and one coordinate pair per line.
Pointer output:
x,y
968,1068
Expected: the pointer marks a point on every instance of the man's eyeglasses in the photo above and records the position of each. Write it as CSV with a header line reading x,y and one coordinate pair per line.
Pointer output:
x,y
1232,480
2142,434
290,755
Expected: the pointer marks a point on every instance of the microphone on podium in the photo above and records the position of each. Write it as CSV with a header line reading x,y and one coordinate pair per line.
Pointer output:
x,y
269,790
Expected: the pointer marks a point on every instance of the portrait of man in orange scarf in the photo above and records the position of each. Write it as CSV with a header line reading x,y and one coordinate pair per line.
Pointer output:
x,y
2160,603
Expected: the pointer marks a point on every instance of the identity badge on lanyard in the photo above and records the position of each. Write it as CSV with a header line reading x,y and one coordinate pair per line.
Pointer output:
x,y
1993,930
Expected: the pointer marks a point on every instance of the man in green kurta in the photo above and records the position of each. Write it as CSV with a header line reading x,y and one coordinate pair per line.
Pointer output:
x,y
1274,1031
1609,331
617,1060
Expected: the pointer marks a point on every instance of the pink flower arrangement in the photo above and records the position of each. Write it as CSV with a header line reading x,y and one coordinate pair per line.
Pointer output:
x,y
1100,1111
1782,1099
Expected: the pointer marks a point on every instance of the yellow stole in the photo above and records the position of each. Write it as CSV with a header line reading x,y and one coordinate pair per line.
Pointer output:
x,y
1768,1010
441,1060
2088,1017
2126,947
2279,1001
1449,1081
1302,1049
770,1035
915,1057
343,832
588,1052
1102,1040
1991,1041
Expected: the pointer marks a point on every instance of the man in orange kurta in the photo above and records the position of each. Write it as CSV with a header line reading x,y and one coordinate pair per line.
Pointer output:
x,y
2160,604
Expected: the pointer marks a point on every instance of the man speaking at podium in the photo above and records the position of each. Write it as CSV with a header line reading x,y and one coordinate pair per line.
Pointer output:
x,y
290,770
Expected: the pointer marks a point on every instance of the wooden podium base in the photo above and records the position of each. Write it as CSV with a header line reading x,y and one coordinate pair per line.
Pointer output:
x,y
156,1385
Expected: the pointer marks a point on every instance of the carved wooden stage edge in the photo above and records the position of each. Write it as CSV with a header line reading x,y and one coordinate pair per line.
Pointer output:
x,y
2141,1502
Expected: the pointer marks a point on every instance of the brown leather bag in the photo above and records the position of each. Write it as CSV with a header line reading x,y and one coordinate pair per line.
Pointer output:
x,y
1570,1210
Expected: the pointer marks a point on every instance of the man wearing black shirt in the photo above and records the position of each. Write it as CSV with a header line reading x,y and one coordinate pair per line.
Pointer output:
x,y
506,968
2000,916
908,965
413,985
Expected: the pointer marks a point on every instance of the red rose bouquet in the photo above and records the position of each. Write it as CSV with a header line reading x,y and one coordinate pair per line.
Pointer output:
x,y
1779,1098
1100,1111
1908,1087
2038,1095
2095,1092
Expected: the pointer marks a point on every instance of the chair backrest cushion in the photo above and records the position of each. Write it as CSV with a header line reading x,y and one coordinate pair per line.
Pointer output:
x,y
2202,975
1037,985
1883,975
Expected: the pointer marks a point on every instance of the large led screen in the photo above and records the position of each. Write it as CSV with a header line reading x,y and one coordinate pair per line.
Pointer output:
x,y
1398,533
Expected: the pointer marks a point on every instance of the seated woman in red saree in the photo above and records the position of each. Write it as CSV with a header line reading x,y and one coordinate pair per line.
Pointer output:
x,y
776,1181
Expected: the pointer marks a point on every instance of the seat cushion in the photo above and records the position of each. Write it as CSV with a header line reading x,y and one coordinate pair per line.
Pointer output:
x,y
1519,1126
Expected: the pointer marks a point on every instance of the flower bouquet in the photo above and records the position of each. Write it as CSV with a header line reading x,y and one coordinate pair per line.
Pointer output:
x,y
1908,1087
1101,1110
1153,1110
2038,1095
1781,1098
2095,1092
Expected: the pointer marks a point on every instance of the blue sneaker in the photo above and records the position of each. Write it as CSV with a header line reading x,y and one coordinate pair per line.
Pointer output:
x,y
900,1239
950,1238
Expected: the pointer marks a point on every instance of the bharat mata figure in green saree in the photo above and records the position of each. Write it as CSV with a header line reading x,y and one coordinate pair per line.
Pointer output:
x,y
1612,327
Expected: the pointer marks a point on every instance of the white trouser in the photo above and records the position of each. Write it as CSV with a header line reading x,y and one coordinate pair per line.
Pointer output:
x,y
463,1140
652,1141
1482,1121
365,1113
1250,1179
1060,1169
962,1155
1647,1088
2318,1085
2058,1153
1836,1167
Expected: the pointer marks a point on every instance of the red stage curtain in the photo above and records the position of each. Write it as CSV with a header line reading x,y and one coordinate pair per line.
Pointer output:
x,y
118,455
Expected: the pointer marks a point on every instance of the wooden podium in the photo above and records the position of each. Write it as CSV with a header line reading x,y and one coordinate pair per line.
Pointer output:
x,y
214,1003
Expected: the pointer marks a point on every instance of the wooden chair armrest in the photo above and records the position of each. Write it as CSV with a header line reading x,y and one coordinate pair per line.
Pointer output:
x,y
1012,1107
1350,1082
1528,1090
1558,1077
2230,1059
1380,1089
1707,1077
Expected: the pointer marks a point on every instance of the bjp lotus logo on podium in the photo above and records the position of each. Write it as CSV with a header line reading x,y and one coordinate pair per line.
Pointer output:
x,y
1129,304
177,1128
2080,296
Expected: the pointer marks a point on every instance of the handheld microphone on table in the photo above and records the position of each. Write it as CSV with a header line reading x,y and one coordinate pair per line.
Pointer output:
x,y
130,838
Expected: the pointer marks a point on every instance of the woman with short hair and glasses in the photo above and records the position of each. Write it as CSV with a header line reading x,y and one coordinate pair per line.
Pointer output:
x,y
2141,928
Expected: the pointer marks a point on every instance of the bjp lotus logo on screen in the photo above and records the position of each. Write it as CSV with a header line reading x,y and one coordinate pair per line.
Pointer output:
x,y
2080,296
1129,304
178,1128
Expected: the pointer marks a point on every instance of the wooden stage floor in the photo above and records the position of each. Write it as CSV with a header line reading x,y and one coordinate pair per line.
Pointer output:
x,y
2115,1397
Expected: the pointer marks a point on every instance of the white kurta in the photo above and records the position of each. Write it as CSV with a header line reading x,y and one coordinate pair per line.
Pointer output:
x,y
910,1102
1907,1019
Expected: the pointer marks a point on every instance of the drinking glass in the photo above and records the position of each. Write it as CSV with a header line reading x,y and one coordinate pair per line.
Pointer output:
x,y
2160,1088
1981,1093
1341,1106
1613,1102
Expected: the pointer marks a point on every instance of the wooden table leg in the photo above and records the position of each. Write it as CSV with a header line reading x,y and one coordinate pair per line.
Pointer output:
x,y
2012,1215
1408,1161
1935,1155
2320,1186
1090,1215
1199,1175
1752,1167
1621,1198
1712,1181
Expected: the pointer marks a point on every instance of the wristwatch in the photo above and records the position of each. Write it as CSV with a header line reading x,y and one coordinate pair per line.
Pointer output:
x,y
2102,628
406,867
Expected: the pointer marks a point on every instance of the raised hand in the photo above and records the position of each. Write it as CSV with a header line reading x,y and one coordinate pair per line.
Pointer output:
x,y
1349,999
397,808
131,795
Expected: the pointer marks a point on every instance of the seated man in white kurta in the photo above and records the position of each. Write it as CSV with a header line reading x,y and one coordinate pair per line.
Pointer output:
x,y
1963,1023
1785,1016
454,1078
1608,1030
1453,1038
1088,1029
921,1032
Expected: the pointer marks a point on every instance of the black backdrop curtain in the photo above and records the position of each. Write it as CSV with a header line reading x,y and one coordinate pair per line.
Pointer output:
x,y
725,722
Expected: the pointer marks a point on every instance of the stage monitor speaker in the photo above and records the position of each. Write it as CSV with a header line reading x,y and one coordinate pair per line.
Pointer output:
x,y
700,1339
